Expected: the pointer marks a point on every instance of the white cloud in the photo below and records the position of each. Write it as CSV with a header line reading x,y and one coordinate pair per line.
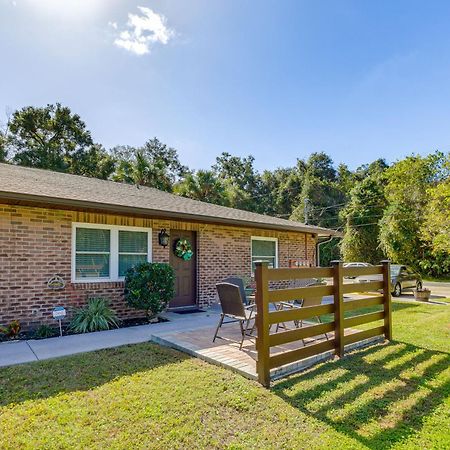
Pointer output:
x,y
143,31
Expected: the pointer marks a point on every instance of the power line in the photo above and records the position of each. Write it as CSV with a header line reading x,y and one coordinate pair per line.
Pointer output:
x,y
363,225
329,206
365,207
372,197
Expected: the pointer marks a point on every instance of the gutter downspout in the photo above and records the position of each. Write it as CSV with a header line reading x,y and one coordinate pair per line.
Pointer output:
x,y
331,237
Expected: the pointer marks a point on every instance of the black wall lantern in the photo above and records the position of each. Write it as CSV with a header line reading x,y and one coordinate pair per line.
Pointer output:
x,y
163,238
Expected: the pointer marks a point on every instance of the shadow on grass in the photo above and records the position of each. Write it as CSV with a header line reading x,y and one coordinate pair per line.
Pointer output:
x,y
43,379
379,396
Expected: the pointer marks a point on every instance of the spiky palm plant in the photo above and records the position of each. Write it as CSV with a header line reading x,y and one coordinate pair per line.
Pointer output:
x,y
95,316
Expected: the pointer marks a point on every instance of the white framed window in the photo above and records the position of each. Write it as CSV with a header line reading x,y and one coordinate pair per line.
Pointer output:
x,y
106,252
264,249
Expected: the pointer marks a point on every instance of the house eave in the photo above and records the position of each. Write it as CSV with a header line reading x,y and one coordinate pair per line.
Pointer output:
x,y
82,205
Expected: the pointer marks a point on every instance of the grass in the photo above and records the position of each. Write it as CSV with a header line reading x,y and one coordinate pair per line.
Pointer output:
x,y
144,396
444,279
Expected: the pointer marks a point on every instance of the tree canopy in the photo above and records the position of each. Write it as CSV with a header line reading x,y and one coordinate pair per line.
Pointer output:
x,y
203,185
152,165
361,216
406,192
54,138
401,211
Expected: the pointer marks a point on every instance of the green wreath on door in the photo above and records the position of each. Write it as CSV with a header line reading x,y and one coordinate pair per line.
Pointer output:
x,y
183,249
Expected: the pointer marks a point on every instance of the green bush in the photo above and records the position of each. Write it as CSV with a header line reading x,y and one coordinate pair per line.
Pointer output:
x,y
44,331
435,264
95,316
150,287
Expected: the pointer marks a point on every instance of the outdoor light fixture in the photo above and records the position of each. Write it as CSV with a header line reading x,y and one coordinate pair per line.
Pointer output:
x,y
163,238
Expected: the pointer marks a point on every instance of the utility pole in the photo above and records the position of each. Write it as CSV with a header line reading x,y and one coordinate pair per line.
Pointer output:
x,y
306,209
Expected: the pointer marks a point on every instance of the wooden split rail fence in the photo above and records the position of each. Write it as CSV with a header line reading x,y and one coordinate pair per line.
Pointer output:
x,y
266,317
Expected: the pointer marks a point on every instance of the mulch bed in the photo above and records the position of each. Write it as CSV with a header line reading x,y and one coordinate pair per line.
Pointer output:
x,y
125,323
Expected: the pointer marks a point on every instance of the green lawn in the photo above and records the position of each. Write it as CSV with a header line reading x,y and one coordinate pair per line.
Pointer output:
x,y
442,278
144,396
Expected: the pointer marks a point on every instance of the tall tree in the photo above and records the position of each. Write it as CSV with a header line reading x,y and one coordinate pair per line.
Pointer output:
x,y
93,162
320,165
4,131
281,190
406,190
345,178
361,216
321,193
3,147
203,185
54,138
241,180
153,165
436,225
374,168
320,201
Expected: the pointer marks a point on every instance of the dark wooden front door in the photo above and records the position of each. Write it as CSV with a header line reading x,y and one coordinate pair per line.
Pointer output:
x,y
185,271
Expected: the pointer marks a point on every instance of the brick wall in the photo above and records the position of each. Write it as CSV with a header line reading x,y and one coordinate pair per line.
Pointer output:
x,y
35,244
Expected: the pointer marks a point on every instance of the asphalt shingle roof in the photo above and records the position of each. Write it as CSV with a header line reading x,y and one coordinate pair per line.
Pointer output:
x,y
59,189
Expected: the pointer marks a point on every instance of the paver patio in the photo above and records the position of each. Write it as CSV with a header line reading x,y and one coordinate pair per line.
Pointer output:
x,y
225,351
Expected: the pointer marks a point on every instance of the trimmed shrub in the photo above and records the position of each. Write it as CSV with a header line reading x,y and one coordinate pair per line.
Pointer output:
x,y
150,287
95,316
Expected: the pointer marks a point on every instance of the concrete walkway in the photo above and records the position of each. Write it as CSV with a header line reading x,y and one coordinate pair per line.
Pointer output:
x,y
17,352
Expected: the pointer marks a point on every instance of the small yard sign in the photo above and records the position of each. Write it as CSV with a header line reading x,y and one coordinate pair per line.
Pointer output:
x,y
59,312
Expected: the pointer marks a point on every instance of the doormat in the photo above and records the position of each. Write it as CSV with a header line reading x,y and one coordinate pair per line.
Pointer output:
x,y
189,311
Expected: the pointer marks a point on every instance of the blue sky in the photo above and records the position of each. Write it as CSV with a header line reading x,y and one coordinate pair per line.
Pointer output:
x,y
275,79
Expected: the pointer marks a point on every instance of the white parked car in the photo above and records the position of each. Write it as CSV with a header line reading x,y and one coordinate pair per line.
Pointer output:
x,y
356,264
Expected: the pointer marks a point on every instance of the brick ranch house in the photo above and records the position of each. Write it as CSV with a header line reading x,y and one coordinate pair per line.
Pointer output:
x,y
89,231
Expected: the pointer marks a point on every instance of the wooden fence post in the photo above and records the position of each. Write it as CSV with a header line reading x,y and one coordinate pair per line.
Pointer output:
x,y
387,303
262,322
338,281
